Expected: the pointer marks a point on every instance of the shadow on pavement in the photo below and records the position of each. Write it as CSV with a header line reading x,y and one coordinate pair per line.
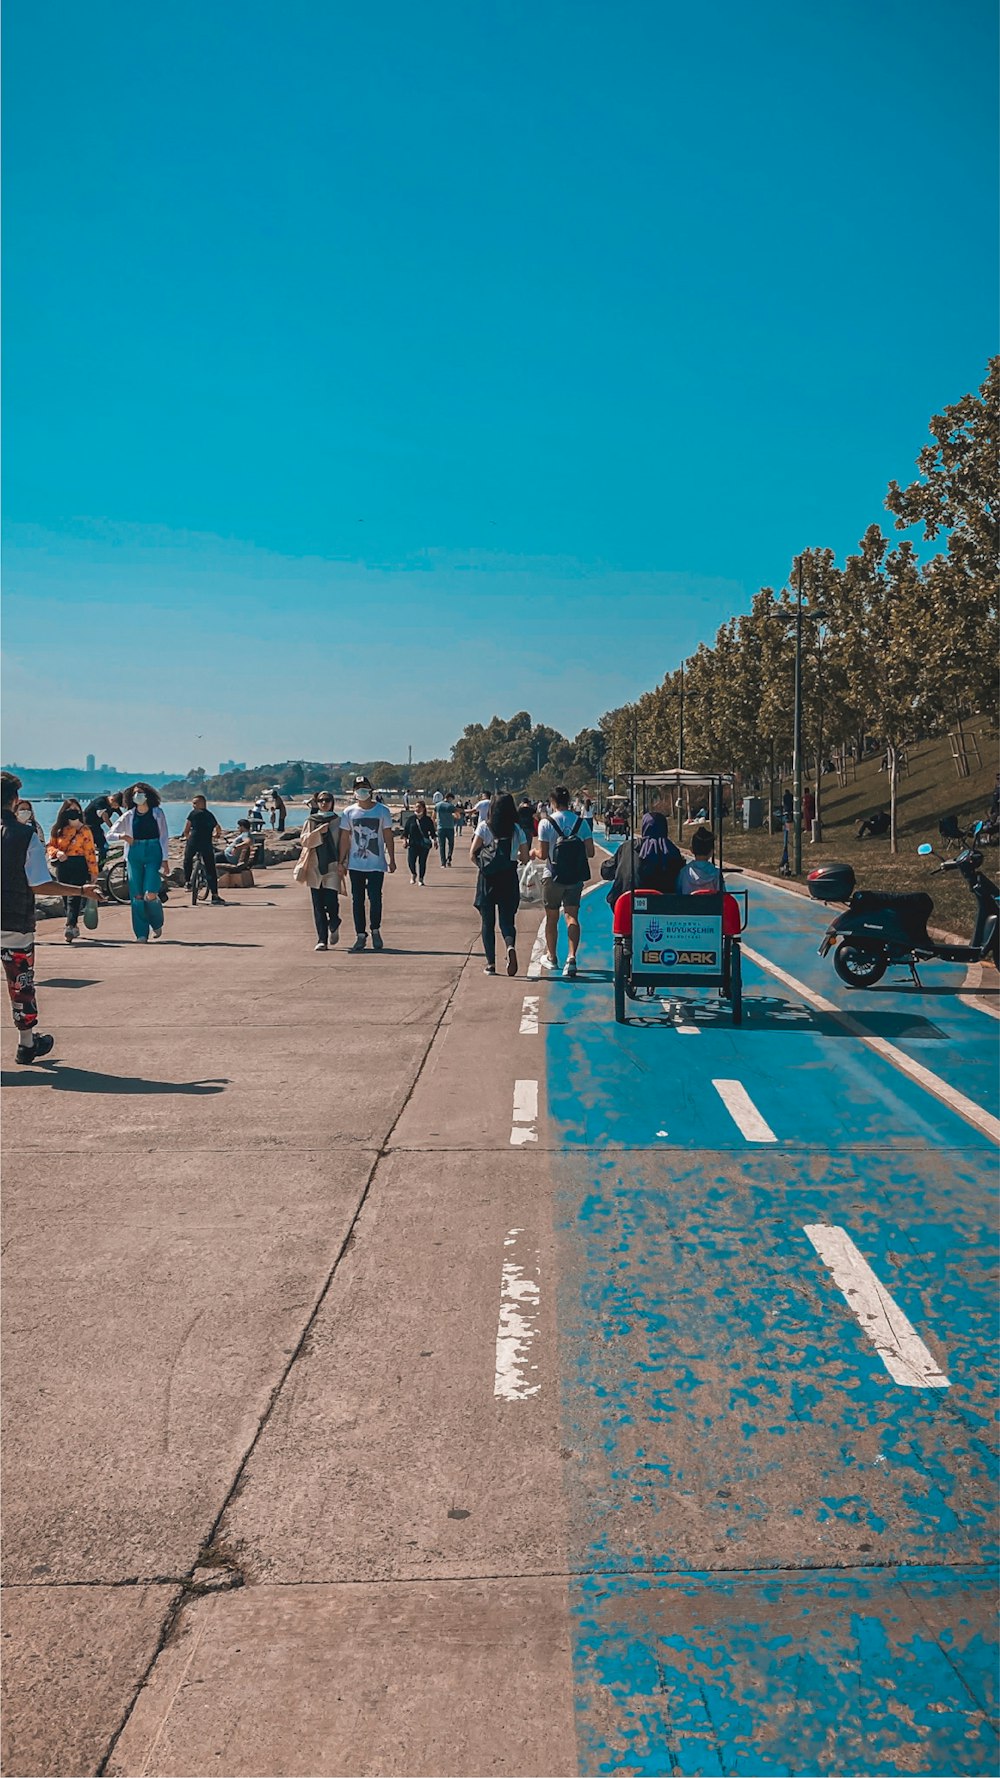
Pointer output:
x,y
787,1016
65,981
82,1080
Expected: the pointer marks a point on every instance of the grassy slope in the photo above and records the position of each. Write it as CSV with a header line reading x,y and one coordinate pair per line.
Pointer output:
x,y
930,790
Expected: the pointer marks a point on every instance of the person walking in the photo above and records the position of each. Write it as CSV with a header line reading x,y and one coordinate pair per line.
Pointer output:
x,y
98,816
419,833
320,869
24,874
201,830
459,817
498,847
565,846
367,851
72,851
279,810
143,831
445,816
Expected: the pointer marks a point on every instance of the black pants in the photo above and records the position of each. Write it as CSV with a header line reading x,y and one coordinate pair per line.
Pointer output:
x,y
192,851
416,858
446,844
370,882
495,903
72,870
326,912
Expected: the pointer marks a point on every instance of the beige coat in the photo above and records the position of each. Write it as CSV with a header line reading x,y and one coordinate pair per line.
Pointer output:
x,y
306,869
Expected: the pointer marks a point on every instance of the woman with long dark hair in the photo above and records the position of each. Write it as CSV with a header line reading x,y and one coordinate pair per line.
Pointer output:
x,y
498,847
320,871
72,852
143,829
419,832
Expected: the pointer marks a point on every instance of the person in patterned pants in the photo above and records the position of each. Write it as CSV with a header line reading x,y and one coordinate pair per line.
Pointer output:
x,y
24,873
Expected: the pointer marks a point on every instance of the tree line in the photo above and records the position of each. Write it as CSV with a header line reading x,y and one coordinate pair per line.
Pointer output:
x,y
506,753
895,648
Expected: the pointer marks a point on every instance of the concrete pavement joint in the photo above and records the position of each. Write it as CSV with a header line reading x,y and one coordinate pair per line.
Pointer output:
x,y
212,1546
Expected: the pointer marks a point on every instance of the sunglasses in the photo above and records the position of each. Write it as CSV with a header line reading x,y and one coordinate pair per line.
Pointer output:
x,y
326,799
74,814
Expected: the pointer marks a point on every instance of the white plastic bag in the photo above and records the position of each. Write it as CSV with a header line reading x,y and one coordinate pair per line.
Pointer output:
x,y
530,878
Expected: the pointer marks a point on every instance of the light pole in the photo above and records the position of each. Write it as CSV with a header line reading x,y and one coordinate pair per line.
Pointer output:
x,y
797,720
680,725
797,734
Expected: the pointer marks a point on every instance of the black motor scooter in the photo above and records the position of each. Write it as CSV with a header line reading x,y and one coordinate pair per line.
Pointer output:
x,y
878,930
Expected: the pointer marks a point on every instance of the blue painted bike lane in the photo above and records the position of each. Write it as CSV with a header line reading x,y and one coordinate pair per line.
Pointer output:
x,y
783,1555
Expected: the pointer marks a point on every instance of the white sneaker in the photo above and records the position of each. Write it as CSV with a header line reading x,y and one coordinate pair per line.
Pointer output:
x,y
569,973
550,963
320,947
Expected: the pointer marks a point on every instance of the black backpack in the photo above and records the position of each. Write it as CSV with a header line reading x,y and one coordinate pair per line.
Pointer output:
x,y
501,861
568,855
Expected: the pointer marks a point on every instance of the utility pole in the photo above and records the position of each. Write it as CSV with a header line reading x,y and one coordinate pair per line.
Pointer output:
x,y
680,759
797,734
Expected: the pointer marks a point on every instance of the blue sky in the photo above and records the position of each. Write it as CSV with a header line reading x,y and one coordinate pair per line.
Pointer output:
x,y
370,369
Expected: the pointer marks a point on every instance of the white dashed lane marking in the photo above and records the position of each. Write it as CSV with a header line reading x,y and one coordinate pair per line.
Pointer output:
x,y
516,1376
743,1111
525,1113
529,1016
896,1341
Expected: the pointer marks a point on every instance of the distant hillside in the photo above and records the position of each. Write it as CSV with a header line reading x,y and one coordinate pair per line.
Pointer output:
x,y
40,781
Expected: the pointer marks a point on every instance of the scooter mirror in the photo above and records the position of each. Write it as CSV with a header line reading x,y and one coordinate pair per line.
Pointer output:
x,y
978,828
925,851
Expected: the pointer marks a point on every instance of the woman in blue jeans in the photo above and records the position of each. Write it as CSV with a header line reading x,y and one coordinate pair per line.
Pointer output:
x,y
143,827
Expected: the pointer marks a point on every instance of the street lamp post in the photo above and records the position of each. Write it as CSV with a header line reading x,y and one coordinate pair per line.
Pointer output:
x,y
797,733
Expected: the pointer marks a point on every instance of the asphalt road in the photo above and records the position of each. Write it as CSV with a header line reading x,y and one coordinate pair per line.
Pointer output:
x,y
413,1372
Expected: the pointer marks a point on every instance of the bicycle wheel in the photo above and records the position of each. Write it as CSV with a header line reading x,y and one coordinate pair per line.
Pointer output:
x,y
199,883
117,881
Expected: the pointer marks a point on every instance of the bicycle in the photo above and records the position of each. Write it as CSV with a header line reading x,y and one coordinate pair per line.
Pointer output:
x,y
198,881
112,879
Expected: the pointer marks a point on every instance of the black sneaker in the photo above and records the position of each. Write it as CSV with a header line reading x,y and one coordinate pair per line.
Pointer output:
x,y
335,937
377,944
360,943
33,1052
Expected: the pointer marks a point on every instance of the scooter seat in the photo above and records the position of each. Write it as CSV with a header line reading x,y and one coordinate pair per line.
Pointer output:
x,y
913,910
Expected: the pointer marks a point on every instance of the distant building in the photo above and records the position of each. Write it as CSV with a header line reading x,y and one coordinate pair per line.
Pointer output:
x,y
107,768
232,765
91,765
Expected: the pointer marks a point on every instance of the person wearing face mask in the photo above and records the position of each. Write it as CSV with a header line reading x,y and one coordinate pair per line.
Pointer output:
x,y
26,815
367,851
320,870
143,829
72,852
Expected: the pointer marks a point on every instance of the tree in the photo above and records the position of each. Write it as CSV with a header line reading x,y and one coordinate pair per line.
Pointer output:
x,y
881,619
960,490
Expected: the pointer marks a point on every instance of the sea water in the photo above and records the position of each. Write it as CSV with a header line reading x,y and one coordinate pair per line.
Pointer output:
x,y
227,814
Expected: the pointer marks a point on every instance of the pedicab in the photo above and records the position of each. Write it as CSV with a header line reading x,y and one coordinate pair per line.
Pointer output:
x,y
679,941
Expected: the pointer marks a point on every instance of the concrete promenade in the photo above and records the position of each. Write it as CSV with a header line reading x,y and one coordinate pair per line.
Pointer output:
x,y
413,1372
256,1212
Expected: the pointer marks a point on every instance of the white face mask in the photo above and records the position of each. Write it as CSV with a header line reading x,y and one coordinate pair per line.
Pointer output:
x,y
24,816
363,796
142,803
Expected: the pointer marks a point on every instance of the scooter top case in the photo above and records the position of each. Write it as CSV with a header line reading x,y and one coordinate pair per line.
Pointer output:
x,y
899,921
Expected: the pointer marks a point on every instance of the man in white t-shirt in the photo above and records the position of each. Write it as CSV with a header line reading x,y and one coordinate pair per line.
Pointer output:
x,y
563,826
368,850
482,808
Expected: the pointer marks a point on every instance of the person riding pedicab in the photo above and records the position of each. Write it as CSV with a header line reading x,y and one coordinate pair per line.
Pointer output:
x,y
650,862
